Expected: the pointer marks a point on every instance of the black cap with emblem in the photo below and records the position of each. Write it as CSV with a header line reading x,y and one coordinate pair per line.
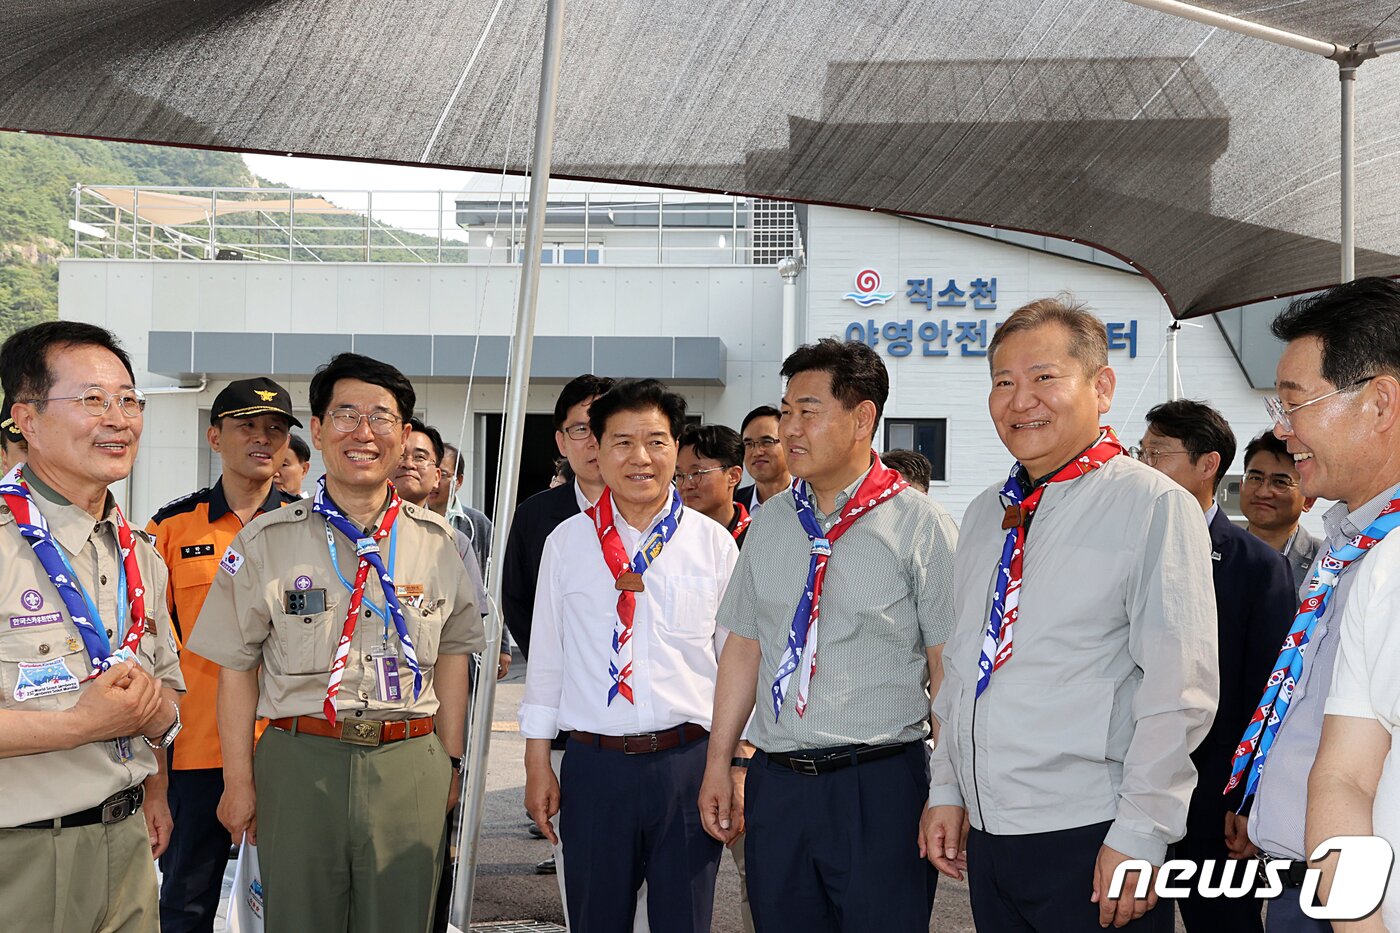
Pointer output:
x,y
244,397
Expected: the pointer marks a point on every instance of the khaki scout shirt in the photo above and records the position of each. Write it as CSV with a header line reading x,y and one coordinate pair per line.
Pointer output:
x,y
245,623
35,628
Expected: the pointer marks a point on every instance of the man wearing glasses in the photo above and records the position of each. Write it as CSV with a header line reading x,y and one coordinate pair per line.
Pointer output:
x,y
88,673
764,458
1272,500
1338,413
347,621
708,467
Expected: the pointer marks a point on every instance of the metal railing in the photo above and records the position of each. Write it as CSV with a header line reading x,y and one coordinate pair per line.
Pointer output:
x,y
285,225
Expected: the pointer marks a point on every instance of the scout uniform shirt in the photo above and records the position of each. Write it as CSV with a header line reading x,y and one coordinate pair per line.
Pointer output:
x,y
191,534
278,602
39,641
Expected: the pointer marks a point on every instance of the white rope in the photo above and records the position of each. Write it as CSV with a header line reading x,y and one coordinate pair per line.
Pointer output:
x,y
461,82
1145,383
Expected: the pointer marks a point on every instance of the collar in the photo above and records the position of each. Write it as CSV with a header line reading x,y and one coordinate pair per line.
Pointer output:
x,y
651,522
219,507
1211,512
1341,526
733,519
1288,545
584,503
843,496
71,526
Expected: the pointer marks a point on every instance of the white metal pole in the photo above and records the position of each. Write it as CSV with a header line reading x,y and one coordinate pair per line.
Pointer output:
x,y
1347,73
1173,331
474,798
1242,26
789,268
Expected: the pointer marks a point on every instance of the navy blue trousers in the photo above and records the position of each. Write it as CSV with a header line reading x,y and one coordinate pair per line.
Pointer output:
x,y
628,818
1041,882
192,868
838,851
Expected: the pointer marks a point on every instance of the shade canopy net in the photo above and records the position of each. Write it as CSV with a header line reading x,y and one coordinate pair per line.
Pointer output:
x,y
1208,159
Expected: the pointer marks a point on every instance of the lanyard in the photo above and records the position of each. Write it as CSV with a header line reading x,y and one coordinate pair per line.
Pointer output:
x,y
117,628
381,611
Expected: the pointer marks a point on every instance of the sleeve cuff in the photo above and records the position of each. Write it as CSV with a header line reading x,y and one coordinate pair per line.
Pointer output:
x,y
1346,706
1136,845
945,795
538,722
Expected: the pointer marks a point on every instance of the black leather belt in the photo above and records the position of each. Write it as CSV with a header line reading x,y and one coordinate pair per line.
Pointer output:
x,y
1292,877
824,761
112,810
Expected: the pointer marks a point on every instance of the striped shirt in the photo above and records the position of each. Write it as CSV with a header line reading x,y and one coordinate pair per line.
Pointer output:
x,y
888,596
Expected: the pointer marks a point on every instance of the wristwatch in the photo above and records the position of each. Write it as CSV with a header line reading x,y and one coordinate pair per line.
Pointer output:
x,y
459,765
168,737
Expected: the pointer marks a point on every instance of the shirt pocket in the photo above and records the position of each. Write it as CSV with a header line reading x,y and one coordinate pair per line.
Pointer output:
x,y
305,644
690,607
190,580
30,663
425,621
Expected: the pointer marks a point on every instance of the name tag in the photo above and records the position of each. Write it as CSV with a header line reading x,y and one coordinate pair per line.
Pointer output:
x,y
196,550
44,679
304,602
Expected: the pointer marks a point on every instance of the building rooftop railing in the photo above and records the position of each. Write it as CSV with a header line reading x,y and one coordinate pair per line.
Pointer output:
x,y
292,225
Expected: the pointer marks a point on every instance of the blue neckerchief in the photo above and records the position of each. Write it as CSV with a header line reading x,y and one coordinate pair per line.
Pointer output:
x,y
323,506
381,611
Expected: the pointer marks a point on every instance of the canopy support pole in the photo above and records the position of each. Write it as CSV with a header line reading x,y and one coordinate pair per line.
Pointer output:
x,y
1242,26
474,797
1347,73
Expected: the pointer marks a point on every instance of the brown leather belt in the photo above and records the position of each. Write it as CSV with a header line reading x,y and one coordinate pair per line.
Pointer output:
x,y
644,743
370,732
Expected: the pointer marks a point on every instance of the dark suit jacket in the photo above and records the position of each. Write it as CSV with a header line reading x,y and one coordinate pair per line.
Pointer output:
x,y
534,519
1255,602
744,494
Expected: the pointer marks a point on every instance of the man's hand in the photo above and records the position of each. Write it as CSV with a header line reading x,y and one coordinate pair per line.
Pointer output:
x,y
503,666
454,790
238,811
1237,836
717,803
542,797
943,840
118,702
1119,911
159,823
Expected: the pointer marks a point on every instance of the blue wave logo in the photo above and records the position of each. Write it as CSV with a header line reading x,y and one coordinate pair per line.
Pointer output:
x,y
867,291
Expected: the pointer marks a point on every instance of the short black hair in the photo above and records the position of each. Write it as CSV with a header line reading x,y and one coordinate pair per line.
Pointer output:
x,y
434,436
856,370
637,395
911,465
714,442
578,389
1200,428
24,358
564,469
458,467
1358,324
300,448
365,369
762,411
1267,442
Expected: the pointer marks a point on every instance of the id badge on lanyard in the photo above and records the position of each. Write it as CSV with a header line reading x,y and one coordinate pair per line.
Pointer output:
x,y
121,746
384,660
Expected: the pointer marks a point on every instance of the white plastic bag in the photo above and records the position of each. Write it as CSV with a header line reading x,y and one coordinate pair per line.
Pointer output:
x,y
245,902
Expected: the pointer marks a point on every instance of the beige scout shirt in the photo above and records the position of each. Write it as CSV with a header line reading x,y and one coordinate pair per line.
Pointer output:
x,y
282,555
35,628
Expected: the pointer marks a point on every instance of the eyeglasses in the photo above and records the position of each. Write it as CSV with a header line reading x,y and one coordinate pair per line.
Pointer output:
x,y
1281,484
348,419
577,431
1281,414
418,460
761,443
1150,455
682,478
96,401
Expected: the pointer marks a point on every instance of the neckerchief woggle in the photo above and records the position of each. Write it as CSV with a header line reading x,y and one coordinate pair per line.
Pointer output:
x,y
82,609
367,549
1006,599
381,611
615,556
1278,692
741,520
880,485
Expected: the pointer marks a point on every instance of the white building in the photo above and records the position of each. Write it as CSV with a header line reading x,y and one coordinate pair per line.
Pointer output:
x,y
689,293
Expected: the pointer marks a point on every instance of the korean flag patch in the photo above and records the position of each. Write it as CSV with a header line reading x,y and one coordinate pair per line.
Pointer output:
x,y
231,562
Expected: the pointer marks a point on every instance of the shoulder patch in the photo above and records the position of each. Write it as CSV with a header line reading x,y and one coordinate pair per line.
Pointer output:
x,y
144,535
181,505
231,562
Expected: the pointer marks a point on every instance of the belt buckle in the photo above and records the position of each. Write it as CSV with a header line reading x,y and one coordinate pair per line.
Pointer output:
x,y
807,766
116,810
648,743
367,732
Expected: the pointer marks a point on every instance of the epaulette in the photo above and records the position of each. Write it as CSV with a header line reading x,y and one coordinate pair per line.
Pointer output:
x,y
296,512
181,505
429,517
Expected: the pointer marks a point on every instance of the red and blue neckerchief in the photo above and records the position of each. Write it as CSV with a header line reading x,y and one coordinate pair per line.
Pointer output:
x,y
997,641
1278,692
367,549
81,607
615,556
880,485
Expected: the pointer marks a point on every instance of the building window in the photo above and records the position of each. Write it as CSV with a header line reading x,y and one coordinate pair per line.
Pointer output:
x,y
928,436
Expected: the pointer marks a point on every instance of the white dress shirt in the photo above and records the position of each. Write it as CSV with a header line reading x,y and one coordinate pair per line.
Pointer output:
x,y
675,640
